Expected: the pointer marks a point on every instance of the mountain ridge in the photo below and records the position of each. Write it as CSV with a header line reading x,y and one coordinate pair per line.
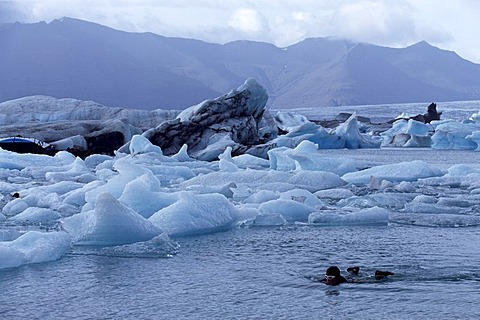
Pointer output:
x,y
71,58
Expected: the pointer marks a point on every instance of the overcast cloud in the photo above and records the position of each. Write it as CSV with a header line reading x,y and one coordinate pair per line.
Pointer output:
x,y
448,24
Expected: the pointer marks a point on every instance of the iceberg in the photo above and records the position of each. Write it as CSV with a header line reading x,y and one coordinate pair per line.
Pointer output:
x,y
194,214
34,247
398,172
369,216
290,210
109,224
453,135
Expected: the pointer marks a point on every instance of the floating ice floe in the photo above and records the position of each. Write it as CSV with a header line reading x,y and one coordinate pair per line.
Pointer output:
x,y
408,134
436,220
34,247
109,223
159,247
453,135
139,201
404,171
196,214
306,157
369,216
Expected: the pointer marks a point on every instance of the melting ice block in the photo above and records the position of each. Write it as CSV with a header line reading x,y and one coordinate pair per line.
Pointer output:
x,y
33,247
403,171
306,156
290,210
375,215
142,195
196,214
110,223
37,215
139,144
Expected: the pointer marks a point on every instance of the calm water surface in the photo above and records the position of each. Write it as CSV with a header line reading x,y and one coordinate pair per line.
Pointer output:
x,y
261,273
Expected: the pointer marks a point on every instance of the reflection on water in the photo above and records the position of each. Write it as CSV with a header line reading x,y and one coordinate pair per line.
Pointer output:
x,y
264,273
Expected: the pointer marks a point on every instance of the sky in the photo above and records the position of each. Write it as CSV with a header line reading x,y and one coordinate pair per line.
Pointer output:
x,y
448,24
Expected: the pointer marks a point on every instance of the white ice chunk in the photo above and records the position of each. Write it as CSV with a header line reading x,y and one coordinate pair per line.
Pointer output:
x,y
454,202
33,247
379,184
354,139
182,155
76,142
75,197
291,210
262,196
425,199
367,216
14,207
302,196
307,157
334,194
226,190
403,171
269,219
475,137
422,207
452,135
110,223
216,145
436,220
384,200
142,195
94,160
159,247
36,215
417,128
76,171
139,144
405,186
249,161
314,181
127,170
227,166
226,162
418,142
289,120
462,170
196,214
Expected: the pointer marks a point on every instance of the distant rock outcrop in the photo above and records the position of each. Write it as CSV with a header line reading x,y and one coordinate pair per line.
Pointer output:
x,y
431,115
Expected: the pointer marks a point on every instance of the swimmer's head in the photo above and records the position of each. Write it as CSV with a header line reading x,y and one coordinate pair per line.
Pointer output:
x,y
332,271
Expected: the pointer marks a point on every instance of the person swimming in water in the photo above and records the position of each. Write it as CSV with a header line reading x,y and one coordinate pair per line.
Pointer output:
x,y
333,276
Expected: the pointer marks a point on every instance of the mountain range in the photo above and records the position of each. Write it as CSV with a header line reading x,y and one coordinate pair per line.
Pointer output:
x,y
71,58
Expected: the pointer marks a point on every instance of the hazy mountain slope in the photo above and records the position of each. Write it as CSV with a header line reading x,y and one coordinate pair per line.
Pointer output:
x,y
440,68
82,60
91,62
